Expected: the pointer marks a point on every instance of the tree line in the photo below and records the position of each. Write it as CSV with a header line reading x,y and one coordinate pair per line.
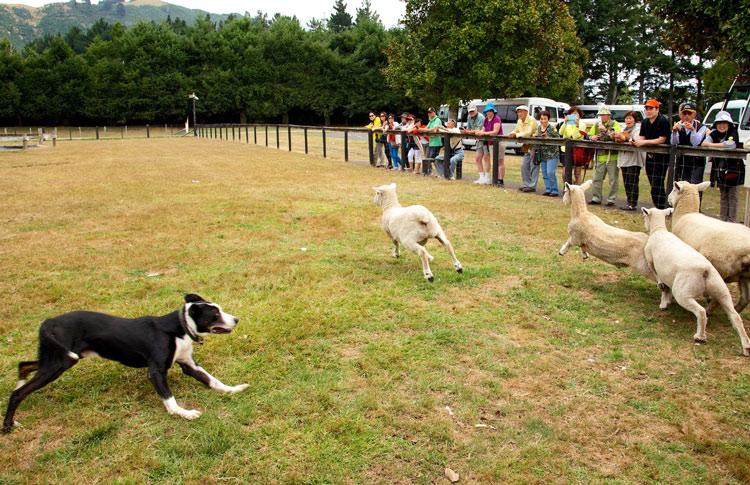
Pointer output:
x,y
335,70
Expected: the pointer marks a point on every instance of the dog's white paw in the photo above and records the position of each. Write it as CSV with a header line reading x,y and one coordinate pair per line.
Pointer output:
x,y
190,414
237,388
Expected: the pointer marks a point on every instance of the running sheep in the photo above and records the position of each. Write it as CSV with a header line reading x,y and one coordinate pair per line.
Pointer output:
x,y
411,227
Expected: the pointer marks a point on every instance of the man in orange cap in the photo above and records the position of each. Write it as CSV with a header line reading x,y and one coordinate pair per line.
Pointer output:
x,y
655,130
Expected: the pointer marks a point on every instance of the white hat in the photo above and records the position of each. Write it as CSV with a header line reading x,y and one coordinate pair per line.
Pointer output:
x,y
723,116
472,107
523,107
603,110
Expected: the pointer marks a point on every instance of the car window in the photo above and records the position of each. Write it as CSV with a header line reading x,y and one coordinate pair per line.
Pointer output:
x,y
552,113
510,115
589,113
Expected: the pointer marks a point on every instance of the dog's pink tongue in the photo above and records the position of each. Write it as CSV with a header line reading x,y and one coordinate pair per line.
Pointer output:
x,y
220,330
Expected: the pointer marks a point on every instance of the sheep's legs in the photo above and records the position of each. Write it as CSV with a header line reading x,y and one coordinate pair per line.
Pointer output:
x,y
420,251
696,309
449,247
395,249
564,248
584,251
724,298
744,284
666,297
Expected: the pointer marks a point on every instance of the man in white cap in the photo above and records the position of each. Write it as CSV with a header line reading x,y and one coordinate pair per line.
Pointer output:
x,y
474,124
605,161
525,128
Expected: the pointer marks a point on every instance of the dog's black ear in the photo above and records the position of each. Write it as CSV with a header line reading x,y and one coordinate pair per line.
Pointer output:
x,y
193,298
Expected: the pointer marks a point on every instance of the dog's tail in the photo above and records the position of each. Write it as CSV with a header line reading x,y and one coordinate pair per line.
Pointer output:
x,y
48,338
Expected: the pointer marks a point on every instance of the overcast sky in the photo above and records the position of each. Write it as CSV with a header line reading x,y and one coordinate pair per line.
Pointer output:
x,y
390,11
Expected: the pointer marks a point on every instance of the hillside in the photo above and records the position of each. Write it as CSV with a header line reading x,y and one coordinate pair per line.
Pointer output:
x,y
22,24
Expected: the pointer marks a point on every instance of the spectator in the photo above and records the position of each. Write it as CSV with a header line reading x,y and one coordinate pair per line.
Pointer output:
x,y
382,158
375,126
394,141
689,132
655,130
548,156
474,125
404,139
492,126
414,156
630,163
435,143
455,151
574,128
525,128
728,172
605,161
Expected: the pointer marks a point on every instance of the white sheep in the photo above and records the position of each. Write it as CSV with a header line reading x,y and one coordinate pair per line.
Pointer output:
x,y
685,274
725,244
610,244
411,226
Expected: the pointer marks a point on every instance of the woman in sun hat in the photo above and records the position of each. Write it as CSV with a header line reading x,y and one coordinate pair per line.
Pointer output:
x,y
492,126
728,172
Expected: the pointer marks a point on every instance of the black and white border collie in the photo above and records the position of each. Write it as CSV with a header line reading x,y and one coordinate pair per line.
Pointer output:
x,y
152,342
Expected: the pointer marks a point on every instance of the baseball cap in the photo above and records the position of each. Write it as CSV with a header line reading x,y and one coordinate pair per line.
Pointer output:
x,y
404,114
653,103
603,110
430,109
523,107
472,107
687,107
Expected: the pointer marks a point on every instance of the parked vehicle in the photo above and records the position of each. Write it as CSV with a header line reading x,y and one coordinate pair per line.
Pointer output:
x,y
506,110
618,112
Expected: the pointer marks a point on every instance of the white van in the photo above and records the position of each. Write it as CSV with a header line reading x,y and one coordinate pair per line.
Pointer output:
x,y
738,109
618,112
506,110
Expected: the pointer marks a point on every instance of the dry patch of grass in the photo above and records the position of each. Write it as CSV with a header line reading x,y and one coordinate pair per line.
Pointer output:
x,y
554,369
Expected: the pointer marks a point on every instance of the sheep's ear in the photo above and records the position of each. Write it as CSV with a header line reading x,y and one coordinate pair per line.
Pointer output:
x,y
668,211
645,211
567,186
585,186
377,190
703,186
677,186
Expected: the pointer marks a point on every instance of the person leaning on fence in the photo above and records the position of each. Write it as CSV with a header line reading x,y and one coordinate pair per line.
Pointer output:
x,y
525,128
655,130
394,142
689,132
574,128
605,161
435,144
455,151
414,156
547,155
405,126
475,125
728,172
375,126
382,151
630,163
493,125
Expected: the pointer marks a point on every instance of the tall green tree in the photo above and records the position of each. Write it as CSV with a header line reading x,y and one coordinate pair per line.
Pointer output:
x,y
340,19
11,65
498,48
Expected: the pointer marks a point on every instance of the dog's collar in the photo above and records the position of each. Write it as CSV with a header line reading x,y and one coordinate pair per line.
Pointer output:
x,y
183,323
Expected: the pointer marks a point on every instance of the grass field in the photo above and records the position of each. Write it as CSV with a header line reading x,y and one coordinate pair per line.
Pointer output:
x,y
526,368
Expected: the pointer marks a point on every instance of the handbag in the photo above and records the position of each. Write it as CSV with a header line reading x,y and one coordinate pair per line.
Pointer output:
x,y
582,156
730,172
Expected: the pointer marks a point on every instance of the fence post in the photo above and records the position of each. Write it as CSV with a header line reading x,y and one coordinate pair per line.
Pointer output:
x,y
247,135
232,133
447,155
568,170
255,135
148,131
289,136
97,132
370,149
122,134
105,131
25,141
277,137
266,135
670,167
346,145
126,131
495,161
70,134
324,142
305,140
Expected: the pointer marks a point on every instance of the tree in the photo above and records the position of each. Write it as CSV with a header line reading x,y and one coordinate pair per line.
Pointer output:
x,y
500,48
11,66
340,19
365,13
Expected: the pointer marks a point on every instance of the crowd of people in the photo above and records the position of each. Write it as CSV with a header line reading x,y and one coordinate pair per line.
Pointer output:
x,y
423,144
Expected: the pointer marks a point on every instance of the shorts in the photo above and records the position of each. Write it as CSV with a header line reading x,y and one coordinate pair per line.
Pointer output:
x,y
481,148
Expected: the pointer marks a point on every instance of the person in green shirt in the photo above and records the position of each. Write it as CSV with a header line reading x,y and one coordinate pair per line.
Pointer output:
x,y
436,142
605,161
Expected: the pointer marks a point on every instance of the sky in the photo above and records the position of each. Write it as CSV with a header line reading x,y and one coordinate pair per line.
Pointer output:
x,y
390,11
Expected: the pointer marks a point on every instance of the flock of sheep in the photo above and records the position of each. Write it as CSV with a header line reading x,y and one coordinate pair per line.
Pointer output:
x,y
698,258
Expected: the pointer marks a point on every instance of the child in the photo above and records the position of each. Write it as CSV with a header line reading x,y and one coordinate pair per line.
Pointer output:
x,y
728,172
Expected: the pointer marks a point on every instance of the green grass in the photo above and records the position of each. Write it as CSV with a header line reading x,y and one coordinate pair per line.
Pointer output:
x,y
568,366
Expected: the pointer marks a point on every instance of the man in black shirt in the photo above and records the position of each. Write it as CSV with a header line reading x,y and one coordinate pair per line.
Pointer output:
x,y
655,130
